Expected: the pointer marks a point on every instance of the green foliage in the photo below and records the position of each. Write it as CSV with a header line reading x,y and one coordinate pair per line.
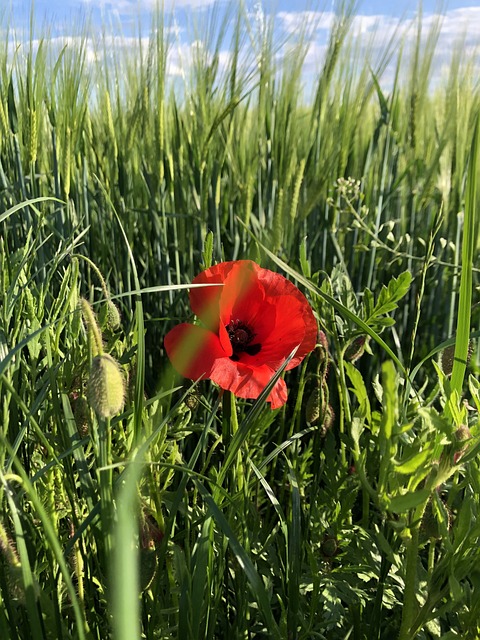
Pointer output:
x,y
179,513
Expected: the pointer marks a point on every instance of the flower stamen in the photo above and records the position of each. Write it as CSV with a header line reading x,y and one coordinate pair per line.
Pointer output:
x,y
241,336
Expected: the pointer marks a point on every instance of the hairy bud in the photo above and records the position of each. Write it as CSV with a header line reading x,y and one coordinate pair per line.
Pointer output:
x,y
106,386
355,348
447,357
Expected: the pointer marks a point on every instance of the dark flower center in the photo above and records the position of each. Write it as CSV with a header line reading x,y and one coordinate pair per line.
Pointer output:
x,y
241,337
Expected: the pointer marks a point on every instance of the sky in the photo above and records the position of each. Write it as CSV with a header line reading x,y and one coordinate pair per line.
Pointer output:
x,y
61,9
375,21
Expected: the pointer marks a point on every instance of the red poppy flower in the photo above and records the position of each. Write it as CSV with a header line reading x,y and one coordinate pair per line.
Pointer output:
x,y
250,326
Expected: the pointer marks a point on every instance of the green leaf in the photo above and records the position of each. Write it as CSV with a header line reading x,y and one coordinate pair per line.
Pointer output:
x,y
390,295
207,253
390,399
360,391
400,504
466,278
356,430
414,462
304,264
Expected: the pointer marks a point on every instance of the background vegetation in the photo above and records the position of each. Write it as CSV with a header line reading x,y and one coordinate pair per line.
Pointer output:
x,y
351,512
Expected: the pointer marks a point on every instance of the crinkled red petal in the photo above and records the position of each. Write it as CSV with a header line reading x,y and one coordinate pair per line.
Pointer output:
x,y
295,325
193,350
248,382
240,292
205,300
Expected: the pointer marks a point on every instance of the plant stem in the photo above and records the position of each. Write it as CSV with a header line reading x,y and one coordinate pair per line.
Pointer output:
x,y
230,425
105,481
409,599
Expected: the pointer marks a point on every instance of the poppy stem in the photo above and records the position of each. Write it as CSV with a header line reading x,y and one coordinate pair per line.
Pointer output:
x,y
105,482
230,428
345,413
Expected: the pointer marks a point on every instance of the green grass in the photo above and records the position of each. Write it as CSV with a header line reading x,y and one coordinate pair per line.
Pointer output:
x,y
190,515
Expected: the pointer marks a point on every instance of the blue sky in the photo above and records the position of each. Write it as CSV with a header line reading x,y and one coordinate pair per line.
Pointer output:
x,y
61,10
375,21
395,7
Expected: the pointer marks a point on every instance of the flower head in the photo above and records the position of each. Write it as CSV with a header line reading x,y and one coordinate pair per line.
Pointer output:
x,y
250,325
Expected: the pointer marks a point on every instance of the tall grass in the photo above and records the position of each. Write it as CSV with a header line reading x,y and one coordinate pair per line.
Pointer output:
x,y
186,515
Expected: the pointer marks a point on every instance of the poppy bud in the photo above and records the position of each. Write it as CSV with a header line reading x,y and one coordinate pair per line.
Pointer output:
x,y
448,356
81,413
313,409
430,528
148,567
76,321
322,352
328,419
462,436
8,549
329,546
113,316
12,566
322,341
150,539
192,401
106,386
355,348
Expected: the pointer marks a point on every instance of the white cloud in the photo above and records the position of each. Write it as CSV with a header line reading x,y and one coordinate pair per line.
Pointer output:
x,y
294,21
371,35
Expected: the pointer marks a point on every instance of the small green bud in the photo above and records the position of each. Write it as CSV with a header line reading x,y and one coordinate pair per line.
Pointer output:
x,y
109,315
76,321
106,386
113,316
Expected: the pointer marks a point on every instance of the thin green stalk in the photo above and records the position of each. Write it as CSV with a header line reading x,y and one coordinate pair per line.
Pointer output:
x,y
466,279
410,589
105,481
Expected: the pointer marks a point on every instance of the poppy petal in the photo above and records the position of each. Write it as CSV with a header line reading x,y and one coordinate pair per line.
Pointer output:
x,y
205,301
248,382
193,350
241,292
295,325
